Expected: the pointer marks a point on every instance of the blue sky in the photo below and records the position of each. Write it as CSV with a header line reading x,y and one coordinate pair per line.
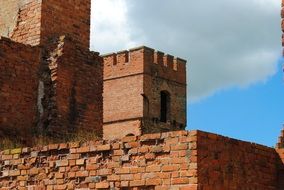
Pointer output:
x,y
235,82
252,114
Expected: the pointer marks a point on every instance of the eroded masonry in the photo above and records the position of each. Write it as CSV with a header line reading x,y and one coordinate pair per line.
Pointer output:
x,y
50,82
53,84
134,101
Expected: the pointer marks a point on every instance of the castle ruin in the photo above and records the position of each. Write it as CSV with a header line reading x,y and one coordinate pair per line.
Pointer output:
x,y
134,100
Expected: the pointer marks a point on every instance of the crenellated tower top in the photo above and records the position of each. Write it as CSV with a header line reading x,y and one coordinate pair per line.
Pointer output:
x,y
144,60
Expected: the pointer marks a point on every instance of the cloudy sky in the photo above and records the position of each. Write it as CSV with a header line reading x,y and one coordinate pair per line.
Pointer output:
x,y
233,50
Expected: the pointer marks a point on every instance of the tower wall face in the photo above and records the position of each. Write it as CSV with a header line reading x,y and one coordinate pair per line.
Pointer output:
x,y
20,20
33,22
18,90
70,17
165,74
123,89
133,82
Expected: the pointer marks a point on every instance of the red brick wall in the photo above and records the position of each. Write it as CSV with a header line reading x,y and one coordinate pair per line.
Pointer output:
x,y
35,21
68,17
79,89
123,89
121,129
134,76
49,90
18,88
280,169
182,160
165,73
156,161
72,97
225,163
21,20
123,99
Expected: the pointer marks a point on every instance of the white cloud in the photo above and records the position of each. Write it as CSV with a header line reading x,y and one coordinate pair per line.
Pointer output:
x,y
228,43
109,28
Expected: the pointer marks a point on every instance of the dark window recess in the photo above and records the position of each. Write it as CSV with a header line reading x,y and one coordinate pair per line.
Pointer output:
x,y
146,105
165,106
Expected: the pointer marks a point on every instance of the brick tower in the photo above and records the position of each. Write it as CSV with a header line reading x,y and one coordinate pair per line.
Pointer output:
x,y
49,80
35,21
144,92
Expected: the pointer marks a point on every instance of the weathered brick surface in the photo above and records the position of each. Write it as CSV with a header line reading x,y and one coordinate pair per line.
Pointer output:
x,y
140,74
56,86
18,88
149,162
225,163
182,160
280,168
21,20
121,129
71,17
74,100
35,21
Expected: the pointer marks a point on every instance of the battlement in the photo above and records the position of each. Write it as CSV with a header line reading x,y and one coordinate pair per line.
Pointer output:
x,y
144,60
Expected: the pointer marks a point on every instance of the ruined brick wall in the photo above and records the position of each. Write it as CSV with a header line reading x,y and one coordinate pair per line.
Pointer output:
x,y
52,90
225,163
79,88
133,81
155,161
280,142
182,160
280,169
65,90
35,21
70,90
20,20
18,88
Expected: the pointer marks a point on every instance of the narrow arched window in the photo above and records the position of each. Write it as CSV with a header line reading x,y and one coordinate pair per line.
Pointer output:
x,y
146,105
165,106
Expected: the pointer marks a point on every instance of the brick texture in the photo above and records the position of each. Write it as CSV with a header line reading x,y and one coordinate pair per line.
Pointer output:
x,y
51,84
18,88
141,74
72,96
52,89
36,21
280,168
182,160
21,20
148,162
225,163
71,17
